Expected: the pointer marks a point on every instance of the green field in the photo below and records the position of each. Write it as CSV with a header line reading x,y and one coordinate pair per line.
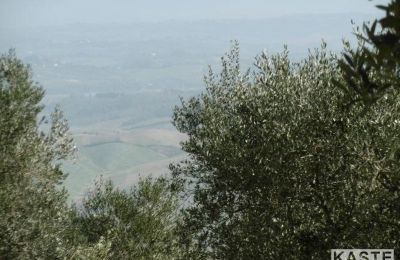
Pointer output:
x,y
121,156
118,85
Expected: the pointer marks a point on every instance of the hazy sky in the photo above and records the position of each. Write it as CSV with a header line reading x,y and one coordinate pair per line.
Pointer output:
x,y
55,12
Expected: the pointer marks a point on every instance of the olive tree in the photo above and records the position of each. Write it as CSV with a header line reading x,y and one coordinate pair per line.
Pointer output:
x,y
373,67
280,168
138,223
35,221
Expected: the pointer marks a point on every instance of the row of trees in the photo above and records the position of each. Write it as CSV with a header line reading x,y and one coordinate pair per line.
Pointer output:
x,y
287,160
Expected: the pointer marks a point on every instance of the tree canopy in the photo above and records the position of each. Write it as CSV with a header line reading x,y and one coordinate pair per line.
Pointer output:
x,y
280,168
279,165
373,68
33,219
138,223
36,221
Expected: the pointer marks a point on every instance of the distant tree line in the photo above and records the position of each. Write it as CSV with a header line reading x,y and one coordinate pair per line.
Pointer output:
x,y
286,160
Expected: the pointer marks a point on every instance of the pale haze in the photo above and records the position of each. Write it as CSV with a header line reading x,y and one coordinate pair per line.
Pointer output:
x,y
52,12
117,68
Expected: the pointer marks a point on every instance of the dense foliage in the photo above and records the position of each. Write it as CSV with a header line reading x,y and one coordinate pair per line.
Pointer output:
x,y
35,220
373,68
281,169
279,166
137,224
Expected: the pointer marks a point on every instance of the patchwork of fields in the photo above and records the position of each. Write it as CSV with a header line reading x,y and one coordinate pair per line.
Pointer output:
x,y
121,155
118,84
